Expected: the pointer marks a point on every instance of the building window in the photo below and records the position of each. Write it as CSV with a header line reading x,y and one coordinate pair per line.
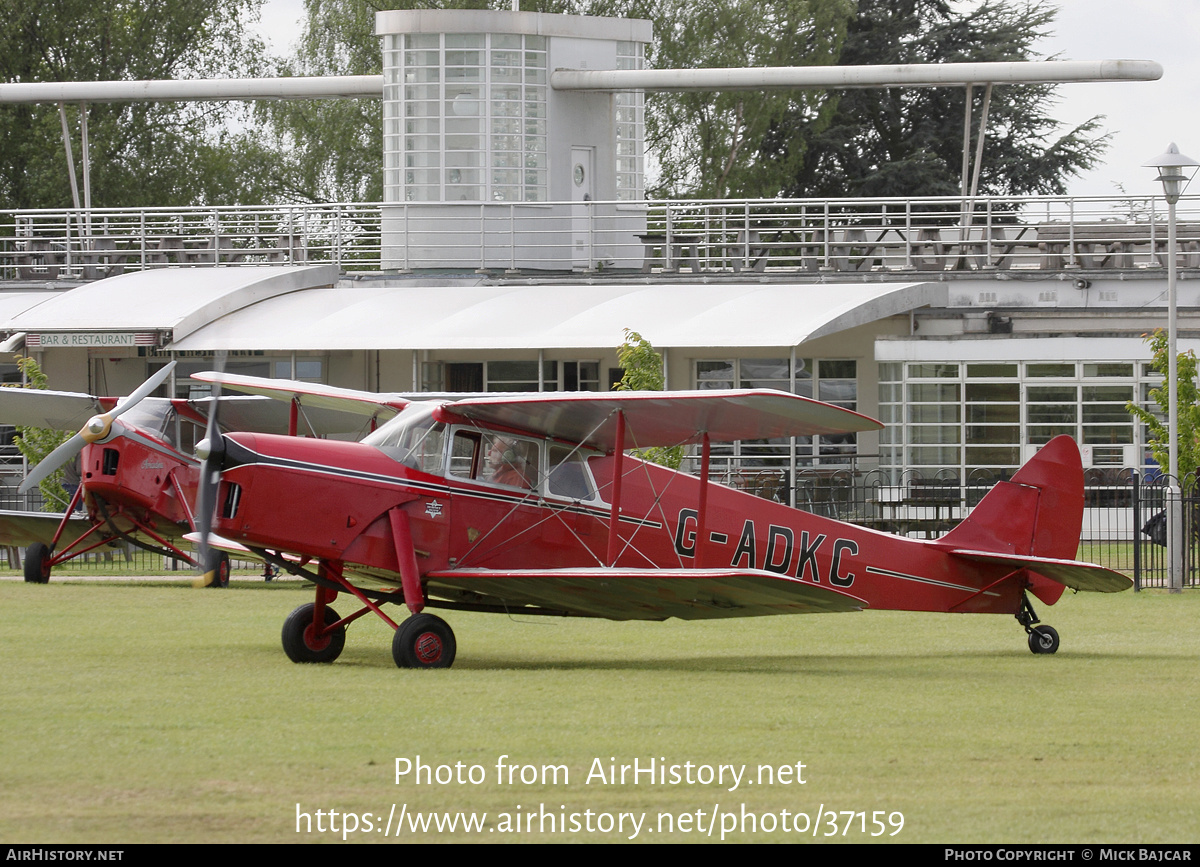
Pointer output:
x,y
629,123
968,418
465,117
831,380
519,375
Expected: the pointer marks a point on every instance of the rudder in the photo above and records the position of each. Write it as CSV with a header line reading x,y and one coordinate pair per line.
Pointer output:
x,y
1039,512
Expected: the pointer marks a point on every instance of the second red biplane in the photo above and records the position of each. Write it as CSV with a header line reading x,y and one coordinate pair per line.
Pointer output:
x,y
137,474
529,504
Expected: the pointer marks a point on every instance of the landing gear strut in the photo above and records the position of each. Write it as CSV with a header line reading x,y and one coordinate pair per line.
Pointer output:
x,y
1042,639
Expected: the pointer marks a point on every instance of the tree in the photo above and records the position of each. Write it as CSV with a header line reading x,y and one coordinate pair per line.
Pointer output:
x,y
908,141
1189,409
141,153
714,145
330,149
644,372
35,443
706,144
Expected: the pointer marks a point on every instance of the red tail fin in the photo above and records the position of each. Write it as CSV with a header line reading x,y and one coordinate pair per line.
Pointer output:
x,y
1039,513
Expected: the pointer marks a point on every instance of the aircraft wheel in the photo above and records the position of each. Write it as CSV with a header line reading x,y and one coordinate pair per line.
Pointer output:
x,y
424,641
301,645
218,563
1043,639
37,563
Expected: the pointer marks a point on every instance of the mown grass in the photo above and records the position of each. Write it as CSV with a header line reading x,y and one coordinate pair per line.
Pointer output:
x,y
164,714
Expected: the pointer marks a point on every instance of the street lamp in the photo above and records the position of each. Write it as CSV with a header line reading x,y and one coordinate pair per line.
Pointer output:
x,y
1174,170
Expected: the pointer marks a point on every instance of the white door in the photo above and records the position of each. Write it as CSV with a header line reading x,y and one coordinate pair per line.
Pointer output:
x,y
581,216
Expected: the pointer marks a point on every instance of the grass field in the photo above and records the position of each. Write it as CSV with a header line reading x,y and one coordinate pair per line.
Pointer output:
x,y
157,713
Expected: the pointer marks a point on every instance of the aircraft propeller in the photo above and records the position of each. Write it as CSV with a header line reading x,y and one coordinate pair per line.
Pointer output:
x,y
210,451
97,428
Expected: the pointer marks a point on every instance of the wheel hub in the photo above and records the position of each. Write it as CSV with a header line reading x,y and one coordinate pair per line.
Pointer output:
x,y
428,647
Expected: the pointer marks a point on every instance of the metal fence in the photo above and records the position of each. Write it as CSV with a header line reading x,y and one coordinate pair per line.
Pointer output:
x,y
1123,519
712,236
1123,528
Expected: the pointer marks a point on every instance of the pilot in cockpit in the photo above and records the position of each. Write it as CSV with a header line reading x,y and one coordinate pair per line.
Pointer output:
x,y
508,463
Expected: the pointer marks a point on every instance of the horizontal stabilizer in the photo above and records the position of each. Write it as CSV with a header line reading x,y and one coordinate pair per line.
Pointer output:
x,y
1071,573
643,594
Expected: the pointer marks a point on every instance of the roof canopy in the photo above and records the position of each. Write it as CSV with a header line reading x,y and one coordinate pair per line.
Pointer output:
x,y
556,316
178,300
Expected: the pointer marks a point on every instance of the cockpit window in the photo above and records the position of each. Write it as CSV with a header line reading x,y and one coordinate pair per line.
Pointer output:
x,y
413,438
569,476
155,416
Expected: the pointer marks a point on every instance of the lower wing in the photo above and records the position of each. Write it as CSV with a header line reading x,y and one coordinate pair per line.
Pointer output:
x,y
640,594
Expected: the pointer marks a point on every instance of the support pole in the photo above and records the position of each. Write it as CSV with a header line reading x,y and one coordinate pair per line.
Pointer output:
x,y
66,133
1175,535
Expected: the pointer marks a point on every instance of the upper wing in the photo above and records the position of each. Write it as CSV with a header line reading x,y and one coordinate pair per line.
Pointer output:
x,y
642,594
57,410
25,528
250,412
664,418
1071,573
312,395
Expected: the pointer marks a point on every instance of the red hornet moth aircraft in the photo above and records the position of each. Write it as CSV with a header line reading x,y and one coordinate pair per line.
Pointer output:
x,y
528,503
137,481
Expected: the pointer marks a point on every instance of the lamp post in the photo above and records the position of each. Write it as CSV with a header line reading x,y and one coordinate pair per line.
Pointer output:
x,y
1174,170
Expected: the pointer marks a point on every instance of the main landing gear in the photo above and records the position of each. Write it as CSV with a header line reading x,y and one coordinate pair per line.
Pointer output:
x,y
1042,639
315,633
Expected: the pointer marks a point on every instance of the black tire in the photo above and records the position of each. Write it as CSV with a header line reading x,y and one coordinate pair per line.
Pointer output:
x,y
424,641
1043,639
218,564
37,563
299,643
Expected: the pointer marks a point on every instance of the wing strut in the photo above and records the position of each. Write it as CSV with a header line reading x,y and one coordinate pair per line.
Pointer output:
x,y
406,555
702,510
614,515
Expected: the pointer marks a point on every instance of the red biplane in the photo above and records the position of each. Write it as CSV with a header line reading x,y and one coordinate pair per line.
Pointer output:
x,y
529,504
138,477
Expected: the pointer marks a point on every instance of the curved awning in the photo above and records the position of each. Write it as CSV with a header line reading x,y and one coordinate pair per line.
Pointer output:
x,y
557,316
173,300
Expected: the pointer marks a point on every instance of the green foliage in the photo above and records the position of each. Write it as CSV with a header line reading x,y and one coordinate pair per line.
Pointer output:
x,y
1159,438
644,372
329,149
35,442
908,141
141,153
714,145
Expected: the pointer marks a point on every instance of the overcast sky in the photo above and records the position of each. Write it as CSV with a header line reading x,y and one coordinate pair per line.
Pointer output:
x,y
1143,117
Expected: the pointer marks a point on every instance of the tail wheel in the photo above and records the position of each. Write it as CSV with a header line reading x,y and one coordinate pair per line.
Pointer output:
x,y
302,643
37,563
1043,639
424,641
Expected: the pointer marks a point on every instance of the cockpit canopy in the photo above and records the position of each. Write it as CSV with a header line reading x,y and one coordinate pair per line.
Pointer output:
x,y
417,440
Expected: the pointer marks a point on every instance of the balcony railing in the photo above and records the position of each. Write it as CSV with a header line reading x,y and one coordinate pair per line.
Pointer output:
x,y
796,236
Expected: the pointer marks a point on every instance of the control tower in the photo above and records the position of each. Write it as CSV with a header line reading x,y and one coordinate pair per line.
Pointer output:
x,y
469,117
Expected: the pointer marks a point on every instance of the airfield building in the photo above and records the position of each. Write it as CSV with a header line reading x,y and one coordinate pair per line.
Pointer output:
x,y
515,246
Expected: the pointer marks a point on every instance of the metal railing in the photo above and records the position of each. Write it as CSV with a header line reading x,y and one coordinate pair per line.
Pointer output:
x,y
798,236
102,242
